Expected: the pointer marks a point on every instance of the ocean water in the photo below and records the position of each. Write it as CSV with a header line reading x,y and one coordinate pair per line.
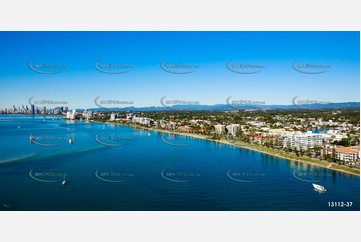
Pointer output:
x,y
118,168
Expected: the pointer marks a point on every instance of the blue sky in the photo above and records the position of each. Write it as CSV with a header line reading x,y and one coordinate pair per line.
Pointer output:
x,y
212,83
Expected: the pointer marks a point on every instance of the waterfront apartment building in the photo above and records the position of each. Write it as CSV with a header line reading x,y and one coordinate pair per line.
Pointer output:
x,y
232,129
87,114
220,128
68,115
348,154
71,114
113,116
141,120
302,141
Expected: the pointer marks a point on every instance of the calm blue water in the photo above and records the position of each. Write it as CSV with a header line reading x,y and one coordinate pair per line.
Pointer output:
x,y
119,168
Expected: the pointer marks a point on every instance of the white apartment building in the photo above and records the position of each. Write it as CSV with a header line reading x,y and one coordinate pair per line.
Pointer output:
x,y
113,116
233,129
71,114
87,114
141,120
302,140
68,115
220,128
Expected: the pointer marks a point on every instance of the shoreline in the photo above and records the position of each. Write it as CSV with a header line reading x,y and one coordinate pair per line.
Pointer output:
x,y
256,148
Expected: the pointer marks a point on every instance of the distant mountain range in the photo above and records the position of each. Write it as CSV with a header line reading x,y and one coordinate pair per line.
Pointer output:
x,y
225,107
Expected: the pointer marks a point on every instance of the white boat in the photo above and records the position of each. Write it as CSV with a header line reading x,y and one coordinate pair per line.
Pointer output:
x,y
64,181
71,141
319,187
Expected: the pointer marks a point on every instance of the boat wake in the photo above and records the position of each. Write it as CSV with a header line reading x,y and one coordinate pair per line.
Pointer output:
x,y
19,158
39,157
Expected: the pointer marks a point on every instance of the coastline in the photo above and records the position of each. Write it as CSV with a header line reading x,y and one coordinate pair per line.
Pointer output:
x,y
257,148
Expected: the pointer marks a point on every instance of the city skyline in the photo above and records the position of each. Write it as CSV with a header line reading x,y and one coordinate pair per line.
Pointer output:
x,y
62,110
83,66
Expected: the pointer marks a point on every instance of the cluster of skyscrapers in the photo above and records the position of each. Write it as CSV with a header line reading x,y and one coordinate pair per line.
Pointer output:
x,y
34,110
